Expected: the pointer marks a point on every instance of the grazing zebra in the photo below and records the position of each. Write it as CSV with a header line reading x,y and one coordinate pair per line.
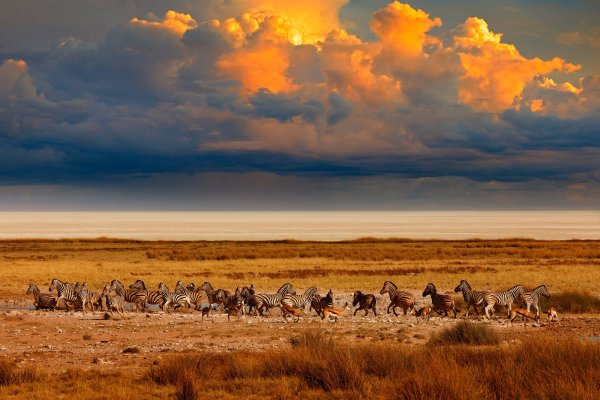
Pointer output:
x,y
299,301
177,299
195,297
66,292
365,302
490,299
442,303
268,301
41,301
471,297
113,302
132,295
398,298
531,299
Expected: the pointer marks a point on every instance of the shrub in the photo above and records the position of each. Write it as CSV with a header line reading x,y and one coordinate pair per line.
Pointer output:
x,y
466,332
10,374
573,302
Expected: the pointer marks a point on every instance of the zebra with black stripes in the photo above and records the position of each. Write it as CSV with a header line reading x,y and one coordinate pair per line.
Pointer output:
x,y
531,299
268,301
135,296
398,298
196,298
507,298
112,302
473,298
88,297
155,297
41,301
177,299
442,302
299,300
66,293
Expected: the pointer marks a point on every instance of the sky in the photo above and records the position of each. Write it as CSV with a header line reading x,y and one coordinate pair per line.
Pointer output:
x,y
299,105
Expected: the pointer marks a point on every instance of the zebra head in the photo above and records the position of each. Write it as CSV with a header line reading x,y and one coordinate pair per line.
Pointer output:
x,y
387,287
207,287
286,288
162,287
464,285
54,284
357,296
191,286
429,290
116,284
31,289
542,290
310,292
139,284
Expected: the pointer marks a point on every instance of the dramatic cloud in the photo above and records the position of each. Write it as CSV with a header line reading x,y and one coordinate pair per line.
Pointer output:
x,y
283,87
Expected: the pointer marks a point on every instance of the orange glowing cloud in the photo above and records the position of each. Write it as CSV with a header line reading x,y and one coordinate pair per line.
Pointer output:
x,y
495,73
15,82
173,21
348,65
403,29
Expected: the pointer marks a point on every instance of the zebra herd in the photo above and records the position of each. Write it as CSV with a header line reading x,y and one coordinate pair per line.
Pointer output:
x,y
245,300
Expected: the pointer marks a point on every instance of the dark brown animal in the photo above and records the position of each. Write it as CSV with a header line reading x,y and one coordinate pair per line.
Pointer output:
x,y
365,302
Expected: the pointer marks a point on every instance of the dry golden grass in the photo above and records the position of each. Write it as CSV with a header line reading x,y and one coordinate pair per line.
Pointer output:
x,y
344,266
316,367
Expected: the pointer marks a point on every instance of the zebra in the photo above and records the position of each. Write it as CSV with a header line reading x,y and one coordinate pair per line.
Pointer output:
x,y
365,302
299,301
272,300
215,296
441,302
177,299
319,303
136,296
194,296
490,299
113,303
398,298
152,296
41,301
88,297
66,292
248,298
471,297
531,299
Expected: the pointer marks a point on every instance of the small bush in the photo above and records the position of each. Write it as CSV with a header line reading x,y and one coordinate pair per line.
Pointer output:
x,y
186,387
467,333
87,336
10,374
573,302
131,350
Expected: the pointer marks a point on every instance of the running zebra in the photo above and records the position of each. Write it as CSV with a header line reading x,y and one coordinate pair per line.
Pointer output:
x,y
195,297
176,299
268,301
41,301
365,302
531,299
472,297
299,301
112,302
88,297
490,299
442,303
398,298
132,295
66,292
152,296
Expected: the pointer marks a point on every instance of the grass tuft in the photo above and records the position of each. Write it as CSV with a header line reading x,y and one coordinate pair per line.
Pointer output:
x,y
466,332
10,374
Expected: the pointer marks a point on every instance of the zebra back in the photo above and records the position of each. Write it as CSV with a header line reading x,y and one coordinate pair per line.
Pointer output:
x,y
299,301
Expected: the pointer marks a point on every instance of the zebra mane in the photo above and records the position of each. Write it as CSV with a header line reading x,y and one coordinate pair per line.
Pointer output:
x,y
464,282
539,287
284,288
390,283
207,287
310,291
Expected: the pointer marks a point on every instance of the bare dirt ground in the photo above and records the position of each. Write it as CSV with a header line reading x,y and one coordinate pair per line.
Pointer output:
x,y
61,340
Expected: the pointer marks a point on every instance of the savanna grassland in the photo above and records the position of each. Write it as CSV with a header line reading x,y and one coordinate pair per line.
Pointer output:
x,y
61,353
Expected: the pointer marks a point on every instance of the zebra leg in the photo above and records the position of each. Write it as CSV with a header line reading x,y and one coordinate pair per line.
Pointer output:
x,y
487,310
388,309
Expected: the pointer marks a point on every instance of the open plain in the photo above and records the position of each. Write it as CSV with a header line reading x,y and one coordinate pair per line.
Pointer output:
x,y
71,352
